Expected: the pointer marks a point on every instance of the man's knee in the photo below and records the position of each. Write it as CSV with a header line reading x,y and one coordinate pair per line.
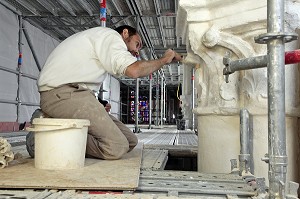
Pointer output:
x,y
107,150
111,153
134,141
116,153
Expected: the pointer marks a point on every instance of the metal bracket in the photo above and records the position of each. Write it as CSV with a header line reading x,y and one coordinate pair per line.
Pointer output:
x,y
244,163
266,158
226,70
264,38
234,167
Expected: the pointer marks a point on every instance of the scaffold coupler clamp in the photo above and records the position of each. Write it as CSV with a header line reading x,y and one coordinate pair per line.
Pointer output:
x,y
234,167
264,38
226,70
244,163
266,158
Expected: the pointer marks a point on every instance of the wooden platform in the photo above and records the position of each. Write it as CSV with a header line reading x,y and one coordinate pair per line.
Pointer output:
x,y
143,173
97,174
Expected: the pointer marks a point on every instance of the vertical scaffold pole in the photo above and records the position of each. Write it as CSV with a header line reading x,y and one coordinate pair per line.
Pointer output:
x,y
161,101
103,13
193,98
157,99
150,101
19,67
276,101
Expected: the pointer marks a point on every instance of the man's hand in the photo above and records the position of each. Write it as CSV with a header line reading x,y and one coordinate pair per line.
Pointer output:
x,y
170,56
143,68
107,107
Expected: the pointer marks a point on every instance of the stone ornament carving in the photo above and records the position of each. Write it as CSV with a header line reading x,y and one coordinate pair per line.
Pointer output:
x,y
6,155
213,93
211,31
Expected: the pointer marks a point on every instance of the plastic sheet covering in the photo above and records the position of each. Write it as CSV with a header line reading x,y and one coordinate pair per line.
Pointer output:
x,y
43,45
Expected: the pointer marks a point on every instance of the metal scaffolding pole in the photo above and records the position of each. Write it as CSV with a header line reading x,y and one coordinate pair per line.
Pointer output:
x,y
103,12
31,47
244,157
161,100
165,102
193,98
128,105
276,101
157,99
136,104
19,67
275,60
150,101
290,57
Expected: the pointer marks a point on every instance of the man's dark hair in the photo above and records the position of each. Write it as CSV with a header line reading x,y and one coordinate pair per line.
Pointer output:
x,y
131,31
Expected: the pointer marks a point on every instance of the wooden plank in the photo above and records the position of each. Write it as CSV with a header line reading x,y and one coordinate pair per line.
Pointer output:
x,y
97,174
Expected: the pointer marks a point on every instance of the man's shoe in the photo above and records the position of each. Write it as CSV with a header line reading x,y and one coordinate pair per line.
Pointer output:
x,y
38,113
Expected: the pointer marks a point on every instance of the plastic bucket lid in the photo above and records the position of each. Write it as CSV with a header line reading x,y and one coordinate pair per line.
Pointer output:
x,y
57,124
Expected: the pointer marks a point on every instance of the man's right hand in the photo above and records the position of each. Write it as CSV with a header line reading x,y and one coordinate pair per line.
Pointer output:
x,y
107,107
171,55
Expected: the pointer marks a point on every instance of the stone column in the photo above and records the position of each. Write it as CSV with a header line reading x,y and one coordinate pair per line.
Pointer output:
x,y
211,29
186,97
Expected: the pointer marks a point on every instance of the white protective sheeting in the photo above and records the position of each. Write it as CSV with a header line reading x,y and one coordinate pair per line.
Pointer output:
x,y
42,43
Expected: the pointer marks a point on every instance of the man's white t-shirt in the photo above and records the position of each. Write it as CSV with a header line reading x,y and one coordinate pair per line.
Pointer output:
x,y
85,58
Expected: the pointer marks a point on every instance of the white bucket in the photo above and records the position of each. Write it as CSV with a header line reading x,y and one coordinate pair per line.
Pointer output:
x,y
59,143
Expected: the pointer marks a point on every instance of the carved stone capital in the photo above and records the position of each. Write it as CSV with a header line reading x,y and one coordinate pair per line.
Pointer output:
x,y
212,29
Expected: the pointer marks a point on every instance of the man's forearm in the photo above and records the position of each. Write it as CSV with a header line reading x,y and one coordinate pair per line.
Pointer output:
x,y
144,68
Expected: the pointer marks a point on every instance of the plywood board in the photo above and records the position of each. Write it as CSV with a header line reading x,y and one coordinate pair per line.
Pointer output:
x,y
97,174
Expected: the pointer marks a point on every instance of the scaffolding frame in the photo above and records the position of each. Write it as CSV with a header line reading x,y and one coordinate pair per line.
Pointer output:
x,y
18,71
275,38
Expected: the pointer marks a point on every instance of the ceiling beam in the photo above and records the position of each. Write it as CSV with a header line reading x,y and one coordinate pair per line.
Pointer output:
x,y
60,16
134,9
10,7
177,38
51,8
85,5
50,33
119,10
65,4
29,7
121,20
157,11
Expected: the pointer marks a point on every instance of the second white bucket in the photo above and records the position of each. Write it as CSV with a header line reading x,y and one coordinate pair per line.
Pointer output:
x,y
59,143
